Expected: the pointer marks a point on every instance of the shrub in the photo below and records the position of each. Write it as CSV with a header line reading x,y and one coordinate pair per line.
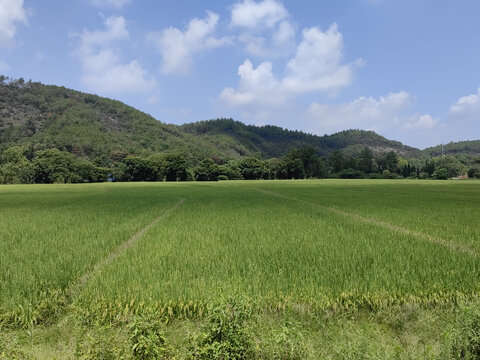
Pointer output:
x,y
289,344
147,340
97,346
351,174
225,336
474,172
440,174
466,341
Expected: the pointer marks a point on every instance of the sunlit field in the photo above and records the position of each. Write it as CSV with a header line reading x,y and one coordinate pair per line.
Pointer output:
x,y
105,252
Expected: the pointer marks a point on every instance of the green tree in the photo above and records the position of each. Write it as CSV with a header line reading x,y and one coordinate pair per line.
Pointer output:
x,y
451,165
290,168
474,172
15,168
207,171
176,169
336,161
231,170
309,160
440,174
54,166
252,168
365,160
429,167
138,169
88,172
387,161
159,164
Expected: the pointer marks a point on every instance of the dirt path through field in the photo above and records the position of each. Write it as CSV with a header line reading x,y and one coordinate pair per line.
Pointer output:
x,y
399,229
77,286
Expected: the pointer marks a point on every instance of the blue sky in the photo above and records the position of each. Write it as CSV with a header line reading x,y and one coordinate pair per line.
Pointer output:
x,y
409,69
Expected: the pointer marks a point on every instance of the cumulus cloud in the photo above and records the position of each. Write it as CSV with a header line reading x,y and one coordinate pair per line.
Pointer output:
x,y
178,47
12,12
467,107
317,63
421,122
103,70
115,29
251,14
257,87
387,115
363,113
463,118
267,31
316,66
110,3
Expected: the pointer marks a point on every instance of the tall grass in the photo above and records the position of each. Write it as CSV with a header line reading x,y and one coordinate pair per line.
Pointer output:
x,y
231,240
51,235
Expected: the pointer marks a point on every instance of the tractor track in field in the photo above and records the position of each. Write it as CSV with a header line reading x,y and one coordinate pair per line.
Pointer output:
x,y
399,229
78,285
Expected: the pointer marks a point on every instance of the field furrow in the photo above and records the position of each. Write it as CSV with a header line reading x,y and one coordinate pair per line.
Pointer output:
x,y
454,246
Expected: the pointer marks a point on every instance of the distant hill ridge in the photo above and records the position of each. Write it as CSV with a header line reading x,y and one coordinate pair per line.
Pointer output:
x,y
471,147
101,129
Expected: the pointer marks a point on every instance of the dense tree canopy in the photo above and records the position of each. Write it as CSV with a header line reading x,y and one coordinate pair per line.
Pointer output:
x,y
52,134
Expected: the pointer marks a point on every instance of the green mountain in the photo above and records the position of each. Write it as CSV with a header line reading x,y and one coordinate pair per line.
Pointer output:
x,y
86,125
103,130
273,141
454,148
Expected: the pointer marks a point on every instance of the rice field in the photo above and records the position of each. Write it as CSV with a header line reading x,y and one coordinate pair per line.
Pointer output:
x,y
318,244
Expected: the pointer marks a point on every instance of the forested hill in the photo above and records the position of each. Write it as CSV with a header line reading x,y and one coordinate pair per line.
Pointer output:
x,y
89,126
273,141
103,130
455,148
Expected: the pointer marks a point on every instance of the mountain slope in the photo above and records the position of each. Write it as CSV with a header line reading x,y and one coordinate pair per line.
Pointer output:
x,y
462,147
273,141
104,130
86,125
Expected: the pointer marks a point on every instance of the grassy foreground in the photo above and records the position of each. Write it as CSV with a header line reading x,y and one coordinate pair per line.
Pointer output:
x,y
278,269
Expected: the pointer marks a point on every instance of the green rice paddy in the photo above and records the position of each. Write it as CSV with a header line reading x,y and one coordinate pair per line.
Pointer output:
x,y
308,246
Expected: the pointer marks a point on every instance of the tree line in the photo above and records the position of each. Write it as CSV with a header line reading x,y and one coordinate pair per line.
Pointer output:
x,y
23,165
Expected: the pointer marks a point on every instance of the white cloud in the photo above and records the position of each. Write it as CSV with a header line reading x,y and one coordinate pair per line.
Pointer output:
x,y
12,12
421,122
463,119
278,42
257,87
363,113
467,107
317,63
115,29
285,34
267,32
110,3
103,70
316,66
104,73
177,48
251,14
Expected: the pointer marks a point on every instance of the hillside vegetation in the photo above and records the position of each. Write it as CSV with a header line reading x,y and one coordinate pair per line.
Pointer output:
x,y
454,148
50,134
100,129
